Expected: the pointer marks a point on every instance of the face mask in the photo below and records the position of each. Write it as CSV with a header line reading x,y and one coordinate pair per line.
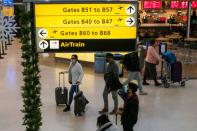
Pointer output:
x,y
73,60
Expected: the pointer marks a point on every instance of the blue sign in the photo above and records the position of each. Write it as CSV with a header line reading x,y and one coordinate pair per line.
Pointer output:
x,y
7,2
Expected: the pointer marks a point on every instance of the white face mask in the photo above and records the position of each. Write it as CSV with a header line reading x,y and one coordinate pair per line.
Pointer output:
x,y
73,60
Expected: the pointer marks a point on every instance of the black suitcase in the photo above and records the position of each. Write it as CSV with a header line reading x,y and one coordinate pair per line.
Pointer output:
x,y
61,93
176,72
79,103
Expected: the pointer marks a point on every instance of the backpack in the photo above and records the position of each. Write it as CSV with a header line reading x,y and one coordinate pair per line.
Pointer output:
x,y
131,62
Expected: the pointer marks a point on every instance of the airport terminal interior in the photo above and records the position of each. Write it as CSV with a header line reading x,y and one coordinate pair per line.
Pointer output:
x,y
162,109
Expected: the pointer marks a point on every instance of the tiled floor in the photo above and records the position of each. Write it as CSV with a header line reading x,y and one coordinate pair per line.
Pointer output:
x,y
172,109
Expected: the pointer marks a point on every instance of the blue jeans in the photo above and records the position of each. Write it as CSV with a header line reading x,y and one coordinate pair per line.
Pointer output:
x,y
73,89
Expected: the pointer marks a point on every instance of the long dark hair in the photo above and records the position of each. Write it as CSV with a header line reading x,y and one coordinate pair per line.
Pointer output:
x,y
152,42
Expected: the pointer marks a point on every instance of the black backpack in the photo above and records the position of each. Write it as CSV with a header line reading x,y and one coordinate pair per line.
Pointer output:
x,y
131,62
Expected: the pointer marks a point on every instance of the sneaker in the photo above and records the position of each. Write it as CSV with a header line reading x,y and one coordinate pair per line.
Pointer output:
x,y
143,93
114,111
66,109
103,111
146,84
158,84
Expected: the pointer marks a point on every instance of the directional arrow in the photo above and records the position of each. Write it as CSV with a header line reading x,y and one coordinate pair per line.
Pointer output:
x,y
43,44
43,33
130,9
130,21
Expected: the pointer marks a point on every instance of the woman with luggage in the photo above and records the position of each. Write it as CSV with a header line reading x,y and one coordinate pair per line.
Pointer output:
x,y
75,75
152,59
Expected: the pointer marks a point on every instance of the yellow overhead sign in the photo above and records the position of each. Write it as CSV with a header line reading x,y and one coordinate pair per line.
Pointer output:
x,y
93,26
88,33
83,9
84,21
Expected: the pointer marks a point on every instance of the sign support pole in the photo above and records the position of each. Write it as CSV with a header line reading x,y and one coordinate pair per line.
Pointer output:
x,y
3,49
189,19
9,42
0,52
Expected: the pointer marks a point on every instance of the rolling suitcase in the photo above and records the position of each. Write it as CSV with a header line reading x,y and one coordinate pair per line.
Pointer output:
x,y
61,93
176,72
79,104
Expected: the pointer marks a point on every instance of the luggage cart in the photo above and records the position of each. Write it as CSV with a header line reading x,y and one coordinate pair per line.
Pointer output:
x,y
167,76
172,70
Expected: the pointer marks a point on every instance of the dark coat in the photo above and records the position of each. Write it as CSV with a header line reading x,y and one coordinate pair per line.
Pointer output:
x,y
130,111
111,77
131,61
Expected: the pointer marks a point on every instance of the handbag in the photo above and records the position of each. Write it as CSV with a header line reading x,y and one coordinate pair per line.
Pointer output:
x,y
112,82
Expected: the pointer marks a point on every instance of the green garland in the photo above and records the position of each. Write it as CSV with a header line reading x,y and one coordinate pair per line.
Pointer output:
x,y
31,89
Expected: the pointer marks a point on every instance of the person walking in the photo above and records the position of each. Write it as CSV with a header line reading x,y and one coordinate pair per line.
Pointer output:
x,y
129,115
104,124
152,59
75,76
111,78
132,65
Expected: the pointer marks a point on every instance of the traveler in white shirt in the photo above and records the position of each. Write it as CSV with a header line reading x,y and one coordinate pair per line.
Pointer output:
x,y
75,76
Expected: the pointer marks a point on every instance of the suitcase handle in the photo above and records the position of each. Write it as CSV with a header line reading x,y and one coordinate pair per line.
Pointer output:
x,y
61,73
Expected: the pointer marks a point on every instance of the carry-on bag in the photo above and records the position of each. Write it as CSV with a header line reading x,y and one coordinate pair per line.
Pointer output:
x,y
61,92
80,103
176,72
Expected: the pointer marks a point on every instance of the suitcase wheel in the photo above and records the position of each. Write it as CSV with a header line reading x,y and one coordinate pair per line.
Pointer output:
x,y
166,85
182,83
78,114
163,80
